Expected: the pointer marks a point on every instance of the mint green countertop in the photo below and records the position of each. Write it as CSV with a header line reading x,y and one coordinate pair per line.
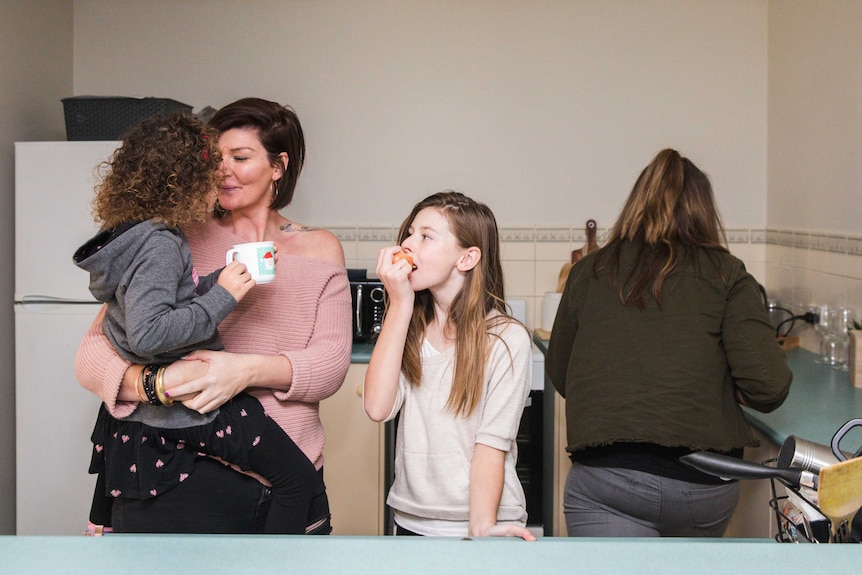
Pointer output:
x,y
155,554
361,352
820,401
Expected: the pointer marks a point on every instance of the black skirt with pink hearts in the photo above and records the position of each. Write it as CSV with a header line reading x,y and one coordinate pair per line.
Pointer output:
x,y
139,461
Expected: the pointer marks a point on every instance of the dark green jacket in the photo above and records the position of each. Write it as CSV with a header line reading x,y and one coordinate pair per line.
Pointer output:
x,y
667,376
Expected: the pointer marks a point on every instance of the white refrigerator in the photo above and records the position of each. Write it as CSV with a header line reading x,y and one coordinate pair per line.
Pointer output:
x,y
54,186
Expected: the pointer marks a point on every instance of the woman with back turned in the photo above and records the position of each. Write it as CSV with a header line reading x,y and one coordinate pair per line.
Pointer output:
x,y
659,338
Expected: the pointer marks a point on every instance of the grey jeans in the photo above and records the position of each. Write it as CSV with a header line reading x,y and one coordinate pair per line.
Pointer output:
x,y
611,502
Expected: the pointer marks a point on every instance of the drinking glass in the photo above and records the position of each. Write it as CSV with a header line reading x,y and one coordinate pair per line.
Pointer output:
x,y
823,328
846,317
833,350
822,325
835,342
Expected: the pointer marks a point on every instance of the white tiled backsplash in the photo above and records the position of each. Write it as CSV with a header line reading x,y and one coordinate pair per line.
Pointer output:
x,y
797,267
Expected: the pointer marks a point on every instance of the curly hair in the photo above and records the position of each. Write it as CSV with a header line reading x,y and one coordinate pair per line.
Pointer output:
x,y
167,168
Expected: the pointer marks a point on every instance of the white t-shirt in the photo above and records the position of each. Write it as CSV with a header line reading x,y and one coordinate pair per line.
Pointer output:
x,y
434,447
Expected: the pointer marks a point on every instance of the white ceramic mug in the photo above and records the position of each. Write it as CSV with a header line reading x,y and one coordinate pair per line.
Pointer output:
x,y
258,257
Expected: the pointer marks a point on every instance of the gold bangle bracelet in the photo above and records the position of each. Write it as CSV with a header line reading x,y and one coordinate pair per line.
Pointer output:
x,y
139,387
160,387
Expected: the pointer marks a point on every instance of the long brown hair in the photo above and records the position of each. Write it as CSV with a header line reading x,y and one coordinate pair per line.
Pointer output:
x,y
670,213
166,168
473,225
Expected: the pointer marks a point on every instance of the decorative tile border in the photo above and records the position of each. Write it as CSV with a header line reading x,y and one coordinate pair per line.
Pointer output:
x,y
833,243
779,238
344,234
817,242
553,234
738,236
377,234
836,244
801,240
580,235
517,234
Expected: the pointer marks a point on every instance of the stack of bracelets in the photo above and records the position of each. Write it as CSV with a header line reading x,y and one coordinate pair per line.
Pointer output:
x,y
153,384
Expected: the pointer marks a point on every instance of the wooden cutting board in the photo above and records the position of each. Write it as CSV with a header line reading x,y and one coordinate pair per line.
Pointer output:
x,y
839,491
589,247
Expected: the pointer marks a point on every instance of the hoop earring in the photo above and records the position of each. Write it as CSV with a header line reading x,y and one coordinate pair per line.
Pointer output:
x,y
274,189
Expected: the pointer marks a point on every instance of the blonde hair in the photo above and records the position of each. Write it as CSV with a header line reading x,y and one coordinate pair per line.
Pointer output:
x,y
470,313
670,214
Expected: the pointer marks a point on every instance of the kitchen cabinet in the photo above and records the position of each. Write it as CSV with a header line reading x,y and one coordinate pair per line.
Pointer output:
x,y
753,517
354,460
560,462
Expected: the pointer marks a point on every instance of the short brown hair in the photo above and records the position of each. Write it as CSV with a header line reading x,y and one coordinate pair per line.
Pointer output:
x,y
278,129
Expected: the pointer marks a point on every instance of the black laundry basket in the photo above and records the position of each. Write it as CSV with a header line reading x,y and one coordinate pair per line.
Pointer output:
x,y
109,117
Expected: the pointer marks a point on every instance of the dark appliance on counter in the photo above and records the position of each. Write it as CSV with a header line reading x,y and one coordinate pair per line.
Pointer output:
x,y
368,305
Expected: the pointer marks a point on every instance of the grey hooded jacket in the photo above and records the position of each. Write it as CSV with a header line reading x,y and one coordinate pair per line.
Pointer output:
x,y
156,313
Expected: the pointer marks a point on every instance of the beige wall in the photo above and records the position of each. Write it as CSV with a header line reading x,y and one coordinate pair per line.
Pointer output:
x,y
546,110
815,154
815,116
36,71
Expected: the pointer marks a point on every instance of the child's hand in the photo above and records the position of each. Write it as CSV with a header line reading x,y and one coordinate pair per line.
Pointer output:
x,y
509,531
393,269
236,280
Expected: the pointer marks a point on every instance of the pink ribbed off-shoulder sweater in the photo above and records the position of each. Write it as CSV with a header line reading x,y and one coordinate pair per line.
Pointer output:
x,y
305,315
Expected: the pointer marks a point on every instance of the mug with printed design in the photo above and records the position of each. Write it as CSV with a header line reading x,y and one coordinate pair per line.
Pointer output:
x,y
258,257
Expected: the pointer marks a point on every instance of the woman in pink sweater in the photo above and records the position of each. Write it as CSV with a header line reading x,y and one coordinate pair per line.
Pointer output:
x,y
287,343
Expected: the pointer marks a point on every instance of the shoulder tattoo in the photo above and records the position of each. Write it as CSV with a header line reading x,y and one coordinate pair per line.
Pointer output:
x,y
291,227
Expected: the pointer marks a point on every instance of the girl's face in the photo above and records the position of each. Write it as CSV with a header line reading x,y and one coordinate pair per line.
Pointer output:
x,y
435,252
247,175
